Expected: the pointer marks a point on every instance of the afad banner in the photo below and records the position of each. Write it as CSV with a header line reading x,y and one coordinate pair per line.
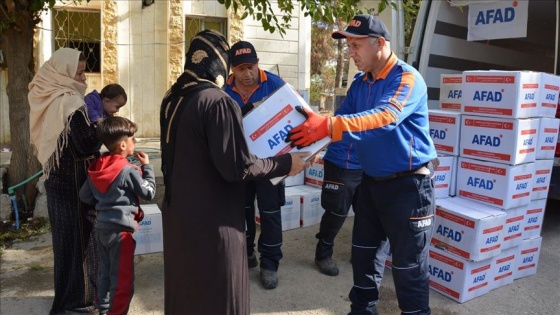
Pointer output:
x,y
497,19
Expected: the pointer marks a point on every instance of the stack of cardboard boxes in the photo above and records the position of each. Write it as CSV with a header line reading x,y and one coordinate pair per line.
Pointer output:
x,y
488,235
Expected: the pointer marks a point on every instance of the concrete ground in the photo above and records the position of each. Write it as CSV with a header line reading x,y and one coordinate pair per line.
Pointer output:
x,y
26,280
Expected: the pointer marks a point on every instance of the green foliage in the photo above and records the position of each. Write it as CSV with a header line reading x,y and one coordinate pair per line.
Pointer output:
x,y
327,11
9,235
13,12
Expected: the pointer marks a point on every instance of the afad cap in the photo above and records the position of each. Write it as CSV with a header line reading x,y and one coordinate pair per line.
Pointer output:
x,y
243,52
364,25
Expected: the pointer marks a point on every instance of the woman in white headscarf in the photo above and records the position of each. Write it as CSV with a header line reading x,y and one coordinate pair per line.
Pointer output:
x,y
66,145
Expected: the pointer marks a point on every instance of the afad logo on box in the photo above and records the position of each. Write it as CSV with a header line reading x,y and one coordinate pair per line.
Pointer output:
x,y
449,233
439,178
440,273
504,268
550,97
280,136
521,186
495,16
480,183
488,96
486,140
456,94
315,173
438,134
145,222
480,278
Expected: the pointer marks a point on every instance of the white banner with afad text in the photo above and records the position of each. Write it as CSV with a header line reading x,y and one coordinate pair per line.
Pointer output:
x,y
498,20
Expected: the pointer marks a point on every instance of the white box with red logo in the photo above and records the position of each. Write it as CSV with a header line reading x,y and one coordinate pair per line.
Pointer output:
x,y
508,94
310,202
443,176
298,179
314,173
149,237
450,91
444,130
548,95
547,138
453,183
389,260
456,278
534,217
500,185
514,226
290,212
502,140
503,268
470,230
541,179
267,126
528,257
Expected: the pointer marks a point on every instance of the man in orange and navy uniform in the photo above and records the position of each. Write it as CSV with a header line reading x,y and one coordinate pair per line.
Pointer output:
x,y
388,122
249,85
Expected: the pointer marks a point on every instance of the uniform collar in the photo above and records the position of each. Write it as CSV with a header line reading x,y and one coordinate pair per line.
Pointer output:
x,y
385,70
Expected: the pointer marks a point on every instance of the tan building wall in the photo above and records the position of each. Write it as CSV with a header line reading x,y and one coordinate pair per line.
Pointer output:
x,y
143,50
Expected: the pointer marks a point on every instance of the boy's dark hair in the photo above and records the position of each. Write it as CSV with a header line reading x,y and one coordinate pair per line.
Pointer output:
x,y
113,129
112,91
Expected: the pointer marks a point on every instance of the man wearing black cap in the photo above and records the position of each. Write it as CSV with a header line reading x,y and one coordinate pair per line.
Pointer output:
x,y
249,85
389,126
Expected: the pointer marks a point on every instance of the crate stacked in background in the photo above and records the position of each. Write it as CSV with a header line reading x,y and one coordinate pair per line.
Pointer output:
x,y
303,198
489,235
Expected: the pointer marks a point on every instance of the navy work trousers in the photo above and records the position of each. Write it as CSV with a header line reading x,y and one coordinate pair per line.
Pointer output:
x,y
340,190
400,209
269,200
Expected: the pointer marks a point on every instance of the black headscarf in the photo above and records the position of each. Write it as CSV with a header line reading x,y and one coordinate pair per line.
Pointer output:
x,y
206,66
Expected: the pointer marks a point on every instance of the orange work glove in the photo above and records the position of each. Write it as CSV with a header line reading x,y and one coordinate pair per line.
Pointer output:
x,y
314,128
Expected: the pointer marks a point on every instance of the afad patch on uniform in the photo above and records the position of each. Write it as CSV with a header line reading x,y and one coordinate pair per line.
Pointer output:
x,y
422,223
396,104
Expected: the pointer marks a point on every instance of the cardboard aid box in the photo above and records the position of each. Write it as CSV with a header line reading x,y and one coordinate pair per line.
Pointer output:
x,y
444,130
310,202
503,267
298,179
541,179
443,176
513,228
453,183
149,237
508,94
500,185
468,229
548,95
547,138
534,217
450,91
267,126
456,278
509,141
314,173
290,212
528,257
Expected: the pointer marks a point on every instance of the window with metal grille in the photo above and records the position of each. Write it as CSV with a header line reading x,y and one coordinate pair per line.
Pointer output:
x,y
195,24
79,30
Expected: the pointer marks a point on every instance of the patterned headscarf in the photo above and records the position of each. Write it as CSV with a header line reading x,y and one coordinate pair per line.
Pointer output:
x,y
206,66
